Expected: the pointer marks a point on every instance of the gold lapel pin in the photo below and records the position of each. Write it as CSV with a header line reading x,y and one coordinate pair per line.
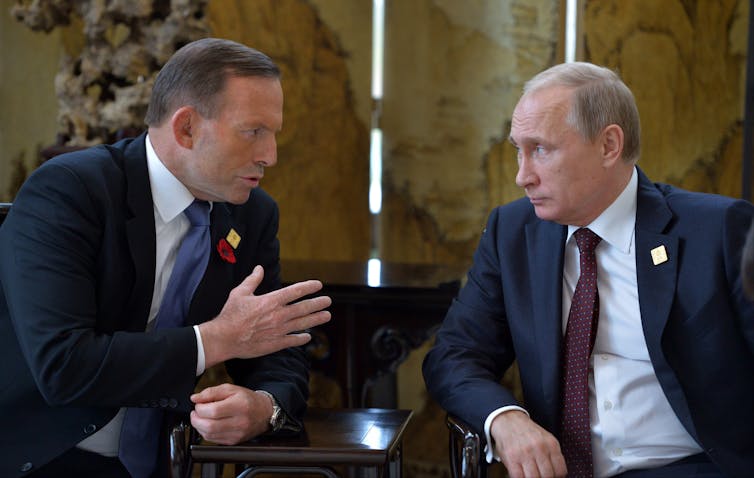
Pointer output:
x,y
233,238
659,255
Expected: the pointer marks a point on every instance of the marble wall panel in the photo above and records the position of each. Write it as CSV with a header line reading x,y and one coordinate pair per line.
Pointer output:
x,y
685,62
453,73
321,179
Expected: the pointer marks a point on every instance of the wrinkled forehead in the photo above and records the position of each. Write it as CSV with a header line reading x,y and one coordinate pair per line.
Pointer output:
x,y
542,110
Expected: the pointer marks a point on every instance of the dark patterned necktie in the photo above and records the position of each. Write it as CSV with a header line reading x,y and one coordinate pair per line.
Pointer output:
x,y
575,441
139,439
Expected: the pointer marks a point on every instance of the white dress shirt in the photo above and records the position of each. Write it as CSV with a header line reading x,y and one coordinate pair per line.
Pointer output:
x,y
170,199
633,425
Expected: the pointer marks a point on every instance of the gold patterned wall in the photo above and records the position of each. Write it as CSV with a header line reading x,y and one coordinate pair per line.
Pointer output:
x,y
685,62
27,94
453,73
321,179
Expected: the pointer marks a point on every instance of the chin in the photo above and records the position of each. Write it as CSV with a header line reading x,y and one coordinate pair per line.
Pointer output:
x,y
543,213
546,215
240,198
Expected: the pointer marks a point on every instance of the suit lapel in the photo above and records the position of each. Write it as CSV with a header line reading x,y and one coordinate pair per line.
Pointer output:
x,y
139,231
219,276
656,282
545,247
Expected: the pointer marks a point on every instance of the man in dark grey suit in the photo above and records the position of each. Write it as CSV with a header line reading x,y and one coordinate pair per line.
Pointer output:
x,y
667,388
87,251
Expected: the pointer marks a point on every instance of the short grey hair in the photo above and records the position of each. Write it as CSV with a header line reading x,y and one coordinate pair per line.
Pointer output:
x,y
600,98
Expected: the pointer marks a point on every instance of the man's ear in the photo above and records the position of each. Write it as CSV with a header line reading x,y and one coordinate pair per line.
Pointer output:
x,y
183,124
612,144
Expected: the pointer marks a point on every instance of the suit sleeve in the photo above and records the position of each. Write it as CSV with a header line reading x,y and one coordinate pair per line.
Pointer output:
x,y
284,374
74,344
473,347
738,220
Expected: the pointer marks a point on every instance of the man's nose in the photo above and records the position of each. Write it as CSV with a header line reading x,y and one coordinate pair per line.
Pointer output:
x,y
268,157
525,175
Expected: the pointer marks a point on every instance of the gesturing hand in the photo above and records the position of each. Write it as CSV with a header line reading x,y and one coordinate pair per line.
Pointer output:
x,y
251,325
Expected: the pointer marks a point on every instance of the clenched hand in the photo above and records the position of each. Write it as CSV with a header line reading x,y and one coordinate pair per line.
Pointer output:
x,y
525,448
229,414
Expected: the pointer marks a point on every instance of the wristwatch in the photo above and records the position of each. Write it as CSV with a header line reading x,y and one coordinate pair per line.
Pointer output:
x,y
278,416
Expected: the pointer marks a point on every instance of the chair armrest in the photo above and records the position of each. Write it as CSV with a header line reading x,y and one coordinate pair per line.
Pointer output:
x,y
466,459
181,437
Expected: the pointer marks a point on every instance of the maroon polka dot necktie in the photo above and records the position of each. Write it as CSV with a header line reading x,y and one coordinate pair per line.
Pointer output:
x,y
575,432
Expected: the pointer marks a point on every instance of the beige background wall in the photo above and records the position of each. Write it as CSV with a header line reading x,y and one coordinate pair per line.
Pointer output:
x,y
685,62
28,62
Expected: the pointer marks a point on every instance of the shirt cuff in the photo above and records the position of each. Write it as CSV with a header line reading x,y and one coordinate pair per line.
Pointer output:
x,y
200,364
489,449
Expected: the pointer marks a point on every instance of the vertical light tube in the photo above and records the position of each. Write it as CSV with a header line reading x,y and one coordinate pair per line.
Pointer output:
x,y
375,150
375,171
378,40
374,272
571,30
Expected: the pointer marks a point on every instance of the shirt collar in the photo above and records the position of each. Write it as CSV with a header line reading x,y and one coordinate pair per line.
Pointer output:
x,y
616,223
170,196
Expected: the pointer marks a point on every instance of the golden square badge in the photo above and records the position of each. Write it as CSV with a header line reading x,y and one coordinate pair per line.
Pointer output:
x,y
233,238
659,255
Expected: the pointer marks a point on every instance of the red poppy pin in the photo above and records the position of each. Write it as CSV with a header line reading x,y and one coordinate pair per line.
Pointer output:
x,y
226,251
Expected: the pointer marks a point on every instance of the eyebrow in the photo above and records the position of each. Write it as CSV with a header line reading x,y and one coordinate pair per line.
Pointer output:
x,y
533,139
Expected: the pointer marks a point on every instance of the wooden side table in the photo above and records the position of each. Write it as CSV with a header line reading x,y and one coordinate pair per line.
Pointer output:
x,y
367,438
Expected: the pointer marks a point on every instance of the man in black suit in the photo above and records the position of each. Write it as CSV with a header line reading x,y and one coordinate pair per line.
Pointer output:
x,y
87,252
668,349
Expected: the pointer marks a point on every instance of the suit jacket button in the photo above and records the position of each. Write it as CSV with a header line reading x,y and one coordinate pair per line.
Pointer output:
x,y
172,403
163,402
26,467
90,428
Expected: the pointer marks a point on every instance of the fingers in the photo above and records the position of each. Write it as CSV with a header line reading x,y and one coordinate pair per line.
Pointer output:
x,y
250,325
220,401
285,295
525,448
252,281
225,431
308,306
213,394
237,415
293,292
306,314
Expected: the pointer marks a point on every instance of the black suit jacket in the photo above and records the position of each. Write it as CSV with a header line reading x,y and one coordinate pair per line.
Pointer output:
x,y
698,327
77,276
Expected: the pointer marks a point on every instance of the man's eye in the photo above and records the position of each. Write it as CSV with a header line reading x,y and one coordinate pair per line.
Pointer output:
x,y
539,150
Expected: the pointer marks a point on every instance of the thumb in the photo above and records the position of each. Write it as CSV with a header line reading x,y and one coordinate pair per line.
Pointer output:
x,y
252,281
213,394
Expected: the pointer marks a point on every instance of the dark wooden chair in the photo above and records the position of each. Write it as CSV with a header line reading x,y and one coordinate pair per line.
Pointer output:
x,y
465,450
